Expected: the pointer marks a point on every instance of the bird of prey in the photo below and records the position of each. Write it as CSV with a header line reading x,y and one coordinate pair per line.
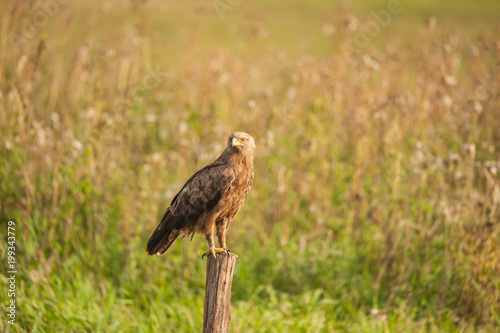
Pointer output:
x,y
210,199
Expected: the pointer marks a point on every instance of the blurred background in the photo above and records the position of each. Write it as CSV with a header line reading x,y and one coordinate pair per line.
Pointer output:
x,y
376,200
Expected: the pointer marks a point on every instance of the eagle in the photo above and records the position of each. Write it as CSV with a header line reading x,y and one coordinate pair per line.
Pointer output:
x,y
210,199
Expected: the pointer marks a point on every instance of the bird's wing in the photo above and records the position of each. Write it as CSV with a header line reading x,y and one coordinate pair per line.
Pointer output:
x,y
201,193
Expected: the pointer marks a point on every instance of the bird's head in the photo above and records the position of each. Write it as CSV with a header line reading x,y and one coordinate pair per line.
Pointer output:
x,y
241,141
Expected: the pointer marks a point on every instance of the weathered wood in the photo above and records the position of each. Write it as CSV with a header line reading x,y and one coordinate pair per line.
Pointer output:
x,y
217,308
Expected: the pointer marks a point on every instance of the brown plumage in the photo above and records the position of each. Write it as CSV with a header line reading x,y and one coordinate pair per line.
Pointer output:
x,y
210,199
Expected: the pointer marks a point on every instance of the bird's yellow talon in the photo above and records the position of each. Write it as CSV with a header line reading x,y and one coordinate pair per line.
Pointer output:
x,y
215,250
234,255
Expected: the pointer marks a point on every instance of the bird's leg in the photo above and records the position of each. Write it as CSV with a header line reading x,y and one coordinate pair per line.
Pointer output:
x,y
212,250
221,235
211,245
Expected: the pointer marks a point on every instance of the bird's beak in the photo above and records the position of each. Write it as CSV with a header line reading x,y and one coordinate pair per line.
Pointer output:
x,y
236,142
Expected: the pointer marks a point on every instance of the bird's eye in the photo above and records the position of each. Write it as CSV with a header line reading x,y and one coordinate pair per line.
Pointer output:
x,y
243,139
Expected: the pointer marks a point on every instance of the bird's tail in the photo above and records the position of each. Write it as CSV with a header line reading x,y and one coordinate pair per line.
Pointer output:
x,y
163,236
162,246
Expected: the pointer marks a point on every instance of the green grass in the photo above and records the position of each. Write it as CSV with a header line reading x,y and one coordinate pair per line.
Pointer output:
x,y
368,212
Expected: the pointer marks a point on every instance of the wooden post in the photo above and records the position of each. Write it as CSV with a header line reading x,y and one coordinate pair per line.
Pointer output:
x,y
217,308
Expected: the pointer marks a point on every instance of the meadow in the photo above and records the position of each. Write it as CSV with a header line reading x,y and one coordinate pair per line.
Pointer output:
x,y
376,200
